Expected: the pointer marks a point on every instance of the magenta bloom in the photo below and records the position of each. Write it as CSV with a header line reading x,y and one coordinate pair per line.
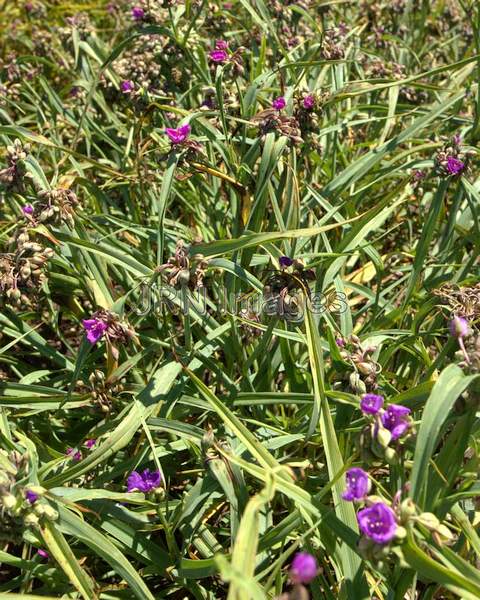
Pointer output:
x,y
127,86
31,497
221,45
309,101
138,13
27,209
285,261
396,420
74,454
370,404
43,553
459,327
179,135
95,329
218,56
340,342
358,484
378,522
304,568
144,482
90,444
454,165
279,103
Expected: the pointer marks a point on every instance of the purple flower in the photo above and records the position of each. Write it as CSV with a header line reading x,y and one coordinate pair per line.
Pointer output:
x,y
95,329
90,443
138,13
418,174
27,209
144,482
454,165
31,497
459,327
74,454
285,261
395,419
304,568
218,56
358,484
179,135
370,404
127,86
279,103
340,342
221,45
43,553
309,101
378,522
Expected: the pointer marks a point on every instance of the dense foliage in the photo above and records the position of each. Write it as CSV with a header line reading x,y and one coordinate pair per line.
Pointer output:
x,y
239,299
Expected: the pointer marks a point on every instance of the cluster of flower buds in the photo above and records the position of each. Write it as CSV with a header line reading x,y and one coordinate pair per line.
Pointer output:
x,y
222,55
107,324
387,427
333,43
461,300
81,24
366,369
54,207
283,291
451,160
272,119
181,271
22,271
379,69
20,505
12,177
102,391
139,68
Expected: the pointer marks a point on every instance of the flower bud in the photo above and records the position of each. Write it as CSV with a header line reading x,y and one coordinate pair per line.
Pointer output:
x,y
429,520
407,509
401,533
31,520
384,437
50,513
391,456
9,501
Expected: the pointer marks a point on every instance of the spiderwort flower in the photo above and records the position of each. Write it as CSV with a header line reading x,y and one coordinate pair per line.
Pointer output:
x,y
179,135
459,327
309,101
285,261
395,419
95,329
27,209
127,86
74,454
43,553
304,568
31,497
138,13
370,404
279,103
378,522
454,165
221,45
145,481
90,444
218,56
358,484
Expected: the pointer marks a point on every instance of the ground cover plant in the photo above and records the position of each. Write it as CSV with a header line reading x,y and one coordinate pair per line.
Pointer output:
x,y
239,299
